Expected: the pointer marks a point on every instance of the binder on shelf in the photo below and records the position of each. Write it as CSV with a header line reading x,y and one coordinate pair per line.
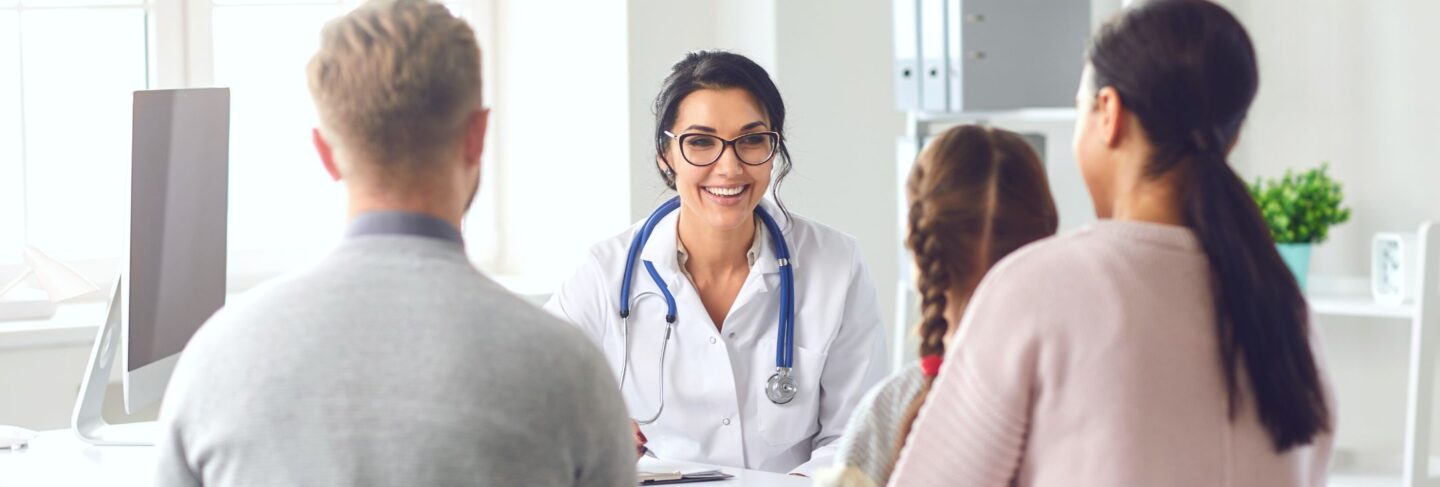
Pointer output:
x,y
1015,54
934,74
907,55
955,54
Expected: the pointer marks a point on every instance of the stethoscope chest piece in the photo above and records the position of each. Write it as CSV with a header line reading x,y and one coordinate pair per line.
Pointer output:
x,y
781,387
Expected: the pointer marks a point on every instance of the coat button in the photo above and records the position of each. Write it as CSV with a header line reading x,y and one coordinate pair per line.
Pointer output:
x,y
725,421
712,339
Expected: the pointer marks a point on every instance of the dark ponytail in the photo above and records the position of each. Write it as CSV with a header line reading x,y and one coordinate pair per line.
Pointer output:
x,y
1186,69
1263,314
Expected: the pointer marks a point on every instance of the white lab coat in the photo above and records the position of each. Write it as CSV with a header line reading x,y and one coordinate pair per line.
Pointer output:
x,y
716,410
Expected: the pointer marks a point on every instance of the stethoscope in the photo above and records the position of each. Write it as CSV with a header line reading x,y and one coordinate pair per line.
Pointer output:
x,y
781,388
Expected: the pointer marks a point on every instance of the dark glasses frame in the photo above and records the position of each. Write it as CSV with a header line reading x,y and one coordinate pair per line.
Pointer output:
x,y
683,138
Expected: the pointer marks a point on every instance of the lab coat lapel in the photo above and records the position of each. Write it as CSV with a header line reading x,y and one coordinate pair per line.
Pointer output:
x,y
767,267
660,251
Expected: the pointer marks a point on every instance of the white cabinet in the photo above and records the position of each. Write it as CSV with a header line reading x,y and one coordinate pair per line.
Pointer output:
x,y
978,55
1419,461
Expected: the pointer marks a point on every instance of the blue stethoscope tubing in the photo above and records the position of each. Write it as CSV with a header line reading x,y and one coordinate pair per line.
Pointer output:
x,y
781,388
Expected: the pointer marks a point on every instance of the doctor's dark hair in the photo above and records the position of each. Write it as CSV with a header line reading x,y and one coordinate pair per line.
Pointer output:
x,y
1187,70
719,70
976,194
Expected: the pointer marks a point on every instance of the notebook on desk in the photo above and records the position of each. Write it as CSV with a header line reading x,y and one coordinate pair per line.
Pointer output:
x,y
667,478
653,471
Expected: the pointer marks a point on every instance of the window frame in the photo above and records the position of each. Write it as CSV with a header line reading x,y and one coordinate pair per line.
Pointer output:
x,y
92,268
180,54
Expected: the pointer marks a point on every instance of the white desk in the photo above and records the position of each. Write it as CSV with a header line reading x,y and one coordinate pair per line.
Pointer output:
x,y
743,478
58,458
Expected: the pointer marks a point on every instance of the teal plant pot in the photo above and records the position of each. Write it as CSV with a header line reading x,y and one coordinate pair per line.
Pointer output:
x,y
1297,258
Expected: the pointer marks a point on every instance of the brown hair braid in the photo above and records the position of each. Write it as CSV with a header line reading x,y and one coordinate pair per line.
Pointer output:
x,y
976,194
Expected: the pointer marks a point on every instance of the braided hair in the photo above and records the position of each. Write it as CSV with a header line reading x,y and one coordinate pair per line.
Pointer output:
x,y
976,194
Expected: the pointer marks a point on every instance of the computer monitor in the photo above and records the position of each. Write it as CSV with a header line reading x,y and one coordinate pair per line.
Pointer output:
x,y
174,277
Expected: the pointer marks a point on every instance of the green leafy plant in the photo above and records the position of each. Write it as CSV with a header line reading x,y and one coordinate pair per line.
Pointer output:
x,y
1301,208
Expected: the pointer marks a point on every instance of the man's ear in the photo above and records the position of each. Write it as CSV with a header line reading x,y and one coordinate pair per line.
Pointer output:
x,y
327,154
475,128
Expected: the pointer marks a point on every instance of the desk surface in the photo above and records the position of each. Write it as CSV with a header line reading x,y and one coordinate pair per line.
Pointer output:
x,y
59,458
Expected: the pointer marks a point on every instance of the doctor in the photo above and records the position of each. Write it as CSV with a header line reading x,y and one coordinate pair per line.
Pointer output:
x,y
742,335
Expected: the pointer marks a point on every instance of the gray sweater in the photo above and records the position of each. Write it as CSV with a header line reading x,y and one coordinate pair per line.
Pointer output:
x,y
868,450
392,362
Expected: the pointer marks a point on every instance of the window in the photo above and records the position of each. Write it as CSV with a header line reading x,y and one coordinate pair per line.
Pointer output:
x,y
12,173
284,209
65,102
281,199
65,123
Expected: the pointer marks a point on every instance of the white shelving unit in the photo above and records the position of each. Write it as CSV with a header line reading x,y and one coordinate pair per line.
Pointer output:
x,y
1418,464
1360,307
1055,125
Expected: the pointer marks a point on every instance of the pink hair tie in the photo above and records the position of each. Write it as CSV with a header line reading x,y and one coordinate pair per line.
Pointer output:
x,y
930,364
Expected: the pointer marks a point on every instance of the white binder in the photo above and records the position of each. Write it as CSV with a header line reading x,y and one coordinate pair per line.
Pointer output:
x,y
934,73
907,55
955,54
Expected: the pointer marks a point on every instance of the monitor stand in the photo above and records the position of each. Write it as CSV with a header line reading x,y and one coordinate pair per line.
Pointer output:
x,y
88,422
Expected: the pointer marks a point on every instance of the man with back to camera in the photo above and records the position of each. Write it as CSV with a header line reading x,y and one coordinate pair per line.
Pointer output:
x,y
393,361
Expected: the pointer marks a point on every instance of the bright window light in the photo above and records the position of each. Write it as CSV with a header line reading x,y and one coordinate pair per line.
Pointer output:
x,y
281,198
37,4
77,101
65,115
283,205
12,174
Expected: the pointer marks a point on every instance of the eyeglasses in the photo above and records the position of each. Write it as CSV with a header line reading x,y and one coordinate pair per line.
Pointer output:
x,y
702,150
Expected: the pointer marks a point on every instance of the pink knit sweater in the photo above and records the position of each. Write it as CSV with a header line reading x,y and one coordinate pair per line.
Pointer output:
x,y
1091,359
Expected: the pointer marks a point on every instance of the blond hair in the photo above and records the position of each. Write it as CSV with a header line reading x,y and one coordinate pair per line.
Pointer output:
x,y
394,83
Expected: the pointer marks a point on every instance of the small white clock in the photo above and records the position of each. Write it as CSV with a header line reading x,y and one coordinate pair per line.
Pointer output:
x,y
1393,277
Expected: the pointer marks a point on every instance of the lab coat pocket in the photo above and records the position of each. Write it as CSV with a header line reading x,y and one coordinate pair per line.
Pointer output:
x,y
785,425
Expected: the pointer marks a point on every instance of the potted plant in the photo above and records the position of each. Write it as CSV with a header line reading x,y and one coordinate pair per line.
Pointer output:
x,y
1300,209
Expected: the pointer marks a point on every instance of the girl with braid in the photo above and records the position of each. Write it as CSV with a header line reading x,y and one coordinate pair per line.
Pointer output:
x,y
976,194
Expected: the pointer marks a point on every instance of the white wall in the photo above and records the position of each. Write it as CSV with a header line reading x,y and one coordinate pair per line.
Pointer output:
x,y
43,397
560,97
39,399
660,33
834,67
1355,84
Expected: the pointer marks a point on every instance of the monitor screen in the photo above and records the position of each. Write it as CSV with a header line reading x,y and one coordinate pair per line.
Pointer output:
x,y
179,177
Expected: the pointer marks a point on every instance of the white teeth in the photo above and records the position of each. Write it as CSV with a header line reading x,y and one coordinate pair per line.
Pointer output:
x,y
725,191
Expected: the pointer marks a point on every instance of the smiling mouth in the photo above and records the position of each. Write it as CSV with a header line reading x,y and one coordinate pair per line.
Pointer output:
x,y
726,191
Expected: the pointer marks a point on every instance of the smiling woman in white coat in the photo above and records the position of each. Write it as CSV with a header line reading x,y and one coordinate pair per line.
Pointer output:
x,y
742,335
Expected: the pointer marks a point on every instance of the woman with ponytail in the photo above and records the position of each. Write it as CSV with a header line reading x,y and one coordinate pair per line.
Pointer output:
x,y
976,194
1166,344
